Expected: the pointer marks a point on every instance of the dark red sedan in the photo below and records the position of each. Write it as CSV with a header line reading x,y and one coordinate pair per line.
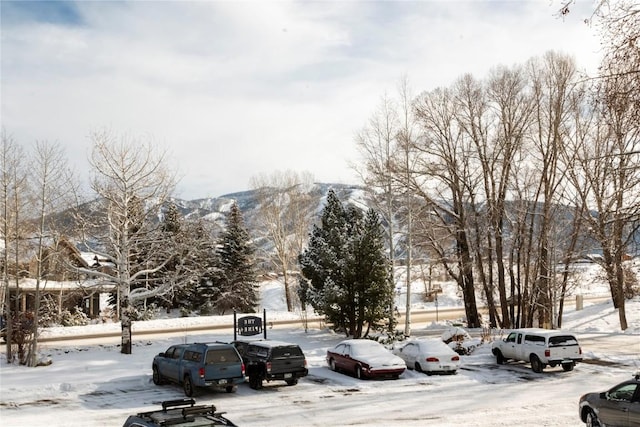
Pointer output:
x,y
364,358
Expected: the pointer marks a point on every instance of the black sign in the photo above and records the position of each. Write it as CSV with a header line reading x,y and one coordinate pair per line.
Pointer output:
x,y
249,325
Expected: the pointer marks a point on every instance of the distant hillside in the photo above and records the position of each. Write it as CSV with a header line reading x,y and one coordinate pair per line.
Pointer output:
x,y
214,209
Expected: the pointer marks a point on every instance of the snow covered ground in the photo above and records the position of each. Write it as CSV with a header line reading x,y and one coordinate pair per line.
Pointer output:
x,y
96,385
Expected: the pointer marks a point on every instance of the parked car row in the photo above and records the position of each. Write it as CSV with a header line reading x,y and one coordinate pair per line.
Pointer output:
x,y
369,359
225,365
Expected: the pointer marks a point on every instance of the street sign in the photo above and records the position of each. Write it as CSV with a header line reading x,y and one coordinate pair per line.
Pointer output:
x,y
249,325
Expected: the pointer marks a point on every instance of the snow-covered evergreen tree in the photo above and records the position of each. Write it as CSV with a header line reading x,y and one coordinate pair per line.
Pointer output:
x,y
370,269
190,267
236,282
203,294
346,270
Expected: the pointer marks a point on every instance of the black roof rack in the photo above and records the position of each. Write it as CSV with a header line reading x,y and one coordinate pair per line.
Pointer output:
x,y
178,402
171,413
211,342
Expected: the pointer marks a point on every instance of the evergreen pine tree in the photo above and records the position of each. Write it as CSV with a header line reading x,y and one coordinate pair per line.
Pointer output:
x,y
322,264
346,270
371,270
172,222
194,258
206,257
171,229
236,284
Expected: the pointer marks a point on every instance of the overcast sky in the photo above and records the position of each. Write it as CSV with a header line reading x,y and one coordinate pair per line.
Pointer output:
x,y
234,89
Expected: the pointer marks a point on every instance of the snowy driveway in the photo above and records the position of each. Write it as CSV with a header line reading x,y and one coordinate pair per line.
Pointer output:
x,y
98,386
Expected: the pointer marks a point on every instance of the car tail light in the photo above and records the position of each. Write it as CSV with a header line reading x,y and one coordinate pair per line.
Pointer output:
x,y
305,363
455,358
243,369
579,350
201,372
269,367
432,359
547,352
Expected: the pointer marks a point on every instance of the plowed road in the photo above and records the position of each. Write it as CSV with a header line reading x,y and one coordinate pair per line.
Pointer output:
x,y
419,319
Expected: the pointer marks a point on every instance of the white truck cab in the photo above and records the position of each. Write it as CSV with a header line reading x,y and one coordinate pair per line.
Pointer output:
x,y
540,347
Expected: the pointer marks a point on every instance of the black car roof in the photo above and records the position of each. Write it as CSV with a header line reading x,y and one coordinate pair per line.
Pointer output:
x,y
268,343
183,412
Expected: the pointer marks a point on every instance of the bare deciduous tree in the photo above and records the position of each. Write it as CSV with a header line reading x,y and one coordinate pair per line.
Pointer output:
x,y
285,219
445,178
606,177
51,185
132,181
553,79
13,181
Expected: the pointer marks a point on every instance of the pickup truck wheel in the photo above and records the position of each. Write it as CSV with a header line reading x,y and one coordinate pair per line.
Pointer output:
x,y
292,381
592,420
536,365
157,378
230,389
499,358
568,366
255,381
187,385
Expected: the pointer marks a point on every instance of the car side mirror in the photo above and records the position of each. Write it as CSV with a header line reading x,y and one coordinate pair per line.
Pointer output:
x,y
161,355
604,395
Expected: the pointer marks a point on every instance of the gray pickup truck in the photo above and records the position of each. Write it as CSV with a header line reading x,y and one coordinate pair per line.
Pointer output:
x,y
212,365
268,360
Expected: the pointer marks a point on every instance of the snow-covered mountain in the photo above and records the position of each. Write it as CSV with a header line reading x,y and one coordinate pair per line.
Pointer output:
x,y
214,209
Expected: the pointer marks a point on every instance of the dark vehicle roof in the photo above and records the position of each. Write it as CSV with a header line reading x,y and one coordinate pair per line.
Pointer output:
x,y
268,343
181,412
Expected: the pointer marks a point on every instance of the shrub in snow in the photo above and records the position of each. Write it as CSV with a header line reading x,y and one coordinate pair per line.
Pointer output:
x,y
73,318
141,313
389,338
459,340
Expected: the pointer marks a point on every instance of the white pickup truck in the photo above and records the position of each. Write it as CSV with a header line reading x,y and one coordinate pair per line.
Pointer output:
x,y
540,347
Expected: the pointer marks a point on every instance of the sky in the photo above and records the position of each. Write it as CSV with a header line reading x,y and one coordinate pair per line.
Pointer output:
x,y
93,385
231,90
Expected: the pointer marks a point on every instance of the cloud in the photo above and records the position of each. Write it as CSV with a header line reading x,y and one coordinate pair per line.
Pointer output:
x,y
233,89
